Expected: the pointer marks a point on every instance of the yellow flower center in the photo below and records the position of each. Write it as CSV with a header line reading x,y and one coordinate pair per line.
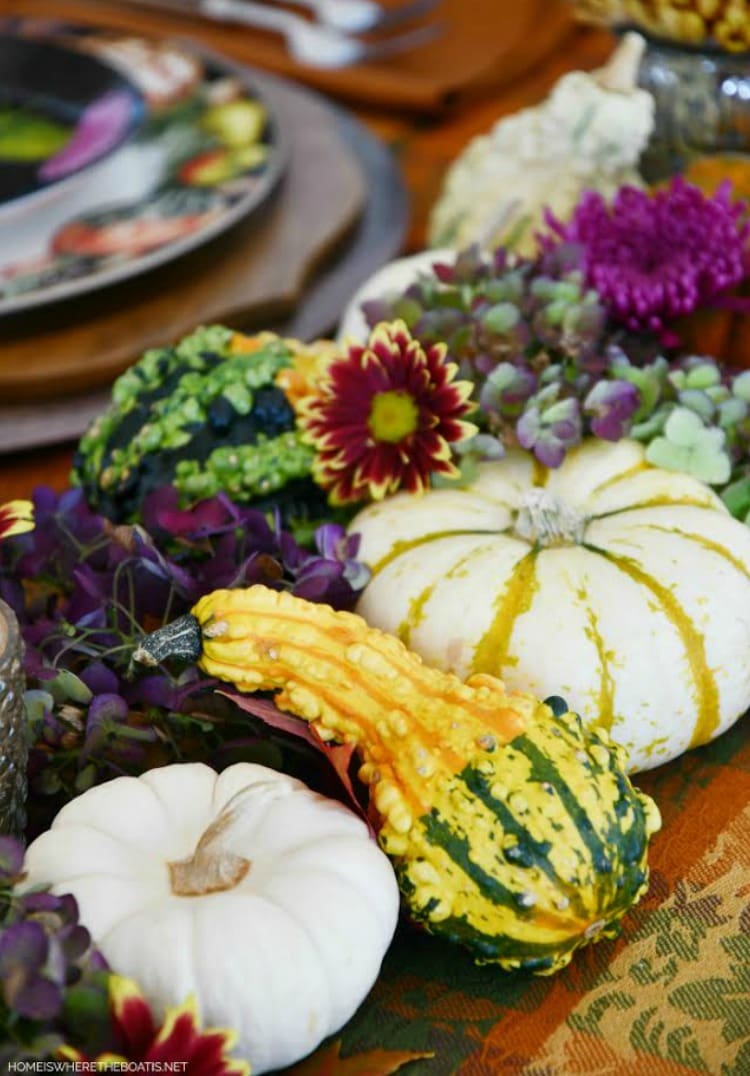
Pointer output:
x,y
393,416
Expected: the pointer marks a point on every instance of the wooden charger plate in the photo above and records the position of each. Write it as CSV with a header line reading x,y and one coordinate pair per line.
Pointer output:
x,y
375,237
252,276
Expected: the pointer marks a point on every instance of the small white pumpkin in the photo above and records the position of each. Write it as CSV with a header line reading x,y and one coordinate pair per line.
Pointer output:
x,y
270,903
588,134
389,280
622,587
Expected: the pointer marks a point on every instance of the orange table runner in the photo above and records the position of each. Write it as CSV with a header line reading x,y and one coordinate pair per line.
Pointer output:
x,y
670,997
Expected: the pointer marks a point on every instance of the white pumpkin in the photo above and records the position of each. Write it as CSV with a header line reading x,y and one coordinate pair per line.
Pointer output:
x,y
621,587
388,281
270,903
588,134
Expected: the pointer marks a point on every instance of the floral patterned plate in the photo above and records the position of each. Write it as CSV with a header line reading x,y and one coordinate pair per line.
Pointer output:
x,y
60,113
209,152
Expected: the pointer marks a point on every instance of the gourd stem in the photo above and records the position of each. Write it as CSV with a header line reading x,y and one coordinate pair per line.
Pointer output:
x,y
182,638
211,868
620,73
545,520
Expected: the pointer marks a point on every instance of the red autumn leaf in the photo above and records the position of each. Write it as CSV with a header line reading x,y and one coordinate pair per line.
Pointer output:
x,y
328,1062
338,755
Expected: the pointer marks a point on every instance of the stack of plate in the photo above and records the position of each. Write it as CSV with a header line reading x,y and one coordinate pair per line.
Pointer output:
x,y
146,188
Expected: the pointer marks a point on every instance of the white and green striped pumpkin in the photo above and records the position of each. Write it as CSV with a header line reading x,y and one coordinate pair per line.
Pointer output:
x,y
622,587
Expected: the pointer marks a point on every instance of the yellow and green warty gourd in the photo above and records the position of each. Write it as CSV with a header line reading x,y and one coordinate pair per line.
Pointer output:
x,y
512,829
623,587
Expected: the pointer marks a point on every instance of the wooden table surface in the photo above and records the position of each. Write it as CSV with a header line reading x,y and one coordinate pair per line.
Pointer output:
x,y
425,145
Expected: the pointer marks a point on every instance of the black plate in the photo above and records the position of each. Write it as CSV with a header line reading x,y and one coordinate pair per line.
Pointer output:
x,y
69,88
115,234
377,238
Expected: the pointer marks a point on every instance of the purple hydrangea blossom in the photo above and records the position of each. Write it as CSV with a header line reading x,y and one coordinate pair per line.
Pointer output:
x,y
549,427
24,954
11,860
52,980
334,571
507,389
611,406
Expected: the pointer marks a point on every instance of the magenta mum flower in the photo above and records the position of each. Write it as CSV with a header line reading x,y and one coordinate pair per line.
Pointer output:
x,y
655,257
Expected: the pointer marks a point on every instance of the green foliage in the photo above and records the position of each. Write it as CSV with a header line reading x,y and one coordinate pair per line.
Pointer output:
x,y
687,445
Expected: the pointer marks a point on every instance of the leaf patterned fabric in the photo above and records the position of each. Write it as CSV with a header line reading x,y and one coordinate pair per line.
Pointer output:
x,y
669,997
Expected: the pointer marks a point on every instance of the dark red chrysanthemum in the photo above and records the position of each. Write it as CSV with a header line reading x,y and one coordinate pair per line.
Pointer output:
x,y
180,1037
15,518
384,417
654,257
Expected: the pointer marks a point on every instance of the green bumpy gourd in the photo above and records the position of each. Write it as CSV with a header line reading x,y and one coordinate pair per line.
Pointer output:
x,y
207,417
512,829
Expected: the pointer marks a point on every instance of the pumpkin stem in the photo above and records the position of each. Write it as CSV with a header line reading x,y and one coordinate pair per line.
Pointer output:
x,y
545,520
211,868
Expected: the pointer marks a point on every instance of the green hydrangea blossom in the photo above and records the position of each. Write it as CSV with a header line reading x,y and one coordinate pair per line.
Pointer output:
x,y
688,445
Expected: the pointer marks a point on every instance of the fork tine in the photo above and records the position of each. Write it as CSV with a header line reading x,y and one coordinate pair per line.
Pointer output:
x,y
413,9
410,39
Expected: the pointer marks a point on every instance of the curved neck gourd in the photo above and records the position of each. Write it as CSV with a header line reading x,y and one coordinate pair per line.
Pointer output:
x,y
411,724
511,828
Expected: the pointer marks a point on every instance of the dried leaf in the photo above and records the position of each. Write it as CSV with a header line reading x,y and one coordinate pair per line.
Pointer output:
x,y
328,1062
338,755
270,714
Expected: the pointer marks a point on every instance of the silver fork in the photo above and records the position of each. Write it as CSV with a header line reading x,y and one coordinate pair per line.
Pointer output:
x,y
361,16
314,44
